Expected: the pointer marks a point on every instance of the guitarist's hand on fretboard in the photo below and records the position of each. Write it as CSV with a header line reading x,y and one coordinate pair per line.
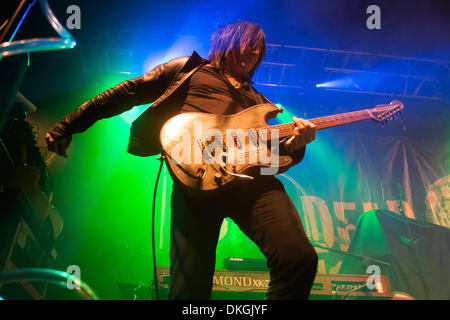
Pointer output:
x,y
304,133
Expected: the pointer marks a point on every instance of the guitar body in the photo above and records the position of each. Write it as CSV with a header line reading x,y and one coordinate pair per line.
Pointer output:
x,y
190,141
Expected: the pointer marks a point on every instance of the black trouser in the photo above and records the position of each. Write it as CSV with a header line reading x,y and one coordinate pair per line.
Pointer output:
x,y
265,213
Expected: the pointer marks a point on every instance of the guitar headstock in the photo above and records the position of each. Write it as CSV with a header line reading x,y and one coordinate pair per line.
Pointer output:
x,y
386,112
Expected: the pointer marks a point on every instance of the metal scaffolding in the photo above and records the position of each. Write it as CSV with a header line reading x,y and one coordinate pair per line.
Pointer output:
x,y
302,68
358,72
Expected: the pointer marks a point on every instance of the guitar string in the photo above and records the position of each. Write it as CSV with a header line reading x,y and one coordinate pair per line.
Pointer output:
x,y
328,119
286,128
333,118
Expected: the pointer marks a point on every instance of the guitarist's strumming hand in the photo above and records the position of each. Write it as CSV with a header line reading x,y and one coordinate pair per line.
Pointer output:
x,y
58,145
305,132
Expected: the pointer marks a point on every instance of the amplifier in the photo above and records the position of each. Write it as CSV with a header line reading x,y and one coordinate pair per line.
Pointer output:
x,y
254,284
248,264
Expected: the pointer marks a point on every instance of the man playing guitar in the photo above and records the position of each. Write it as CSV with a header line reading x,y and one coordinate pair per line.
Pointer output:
x,y
260,207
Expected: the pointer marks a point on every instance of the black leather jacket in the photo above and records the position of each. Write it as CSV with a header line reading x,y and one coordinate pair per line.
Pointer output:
x,y
156,87
161,87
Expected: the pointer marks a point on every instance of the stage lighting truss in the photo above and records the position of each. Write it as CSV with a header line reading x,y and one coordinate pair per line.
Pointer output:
x,y
305,68
353,72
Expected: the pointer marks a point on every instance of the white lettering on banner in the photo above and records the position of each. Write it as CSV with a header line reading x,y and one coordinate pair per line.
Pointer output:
x,y
325,232
321,228
339,211
367,206
394,205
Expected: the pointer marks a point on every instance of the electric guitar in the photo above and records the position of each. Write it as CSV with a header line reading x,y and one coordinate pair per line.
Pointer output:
x,y
206,152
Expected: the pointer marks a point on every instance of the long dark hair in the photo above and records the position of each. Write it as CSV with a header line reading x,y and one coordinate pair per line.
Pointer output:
x,y
227,41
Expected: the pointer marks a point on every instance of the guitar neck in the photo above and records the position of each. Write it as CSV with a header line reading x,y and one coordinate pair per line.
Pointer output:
x,y
287,129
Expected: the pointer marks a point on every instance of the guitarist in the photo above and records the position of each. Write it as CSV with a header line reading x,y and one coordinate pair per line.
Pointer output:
x,y
261,208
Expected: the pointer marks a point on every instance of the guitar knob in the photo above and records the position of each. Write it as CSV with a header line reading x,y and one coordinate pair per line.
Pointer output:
x,y
200,173
218,177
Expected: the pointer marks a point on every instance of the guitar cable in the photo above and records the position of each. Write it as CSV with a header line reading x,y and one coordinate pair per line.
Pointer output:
x,y
155,276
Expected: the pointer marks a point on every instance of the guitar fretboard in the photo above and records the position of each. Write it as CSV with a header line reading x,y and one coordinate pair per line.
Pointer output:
x,y
287,129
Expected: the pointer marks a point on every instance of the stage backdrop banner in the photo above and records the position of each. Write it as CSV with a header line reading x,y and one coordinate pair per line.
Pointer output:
x,y
345,175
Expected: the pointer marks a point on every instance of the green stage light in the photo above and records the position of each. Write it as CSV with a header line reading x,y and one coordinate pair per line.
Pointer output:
x,y
285,116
